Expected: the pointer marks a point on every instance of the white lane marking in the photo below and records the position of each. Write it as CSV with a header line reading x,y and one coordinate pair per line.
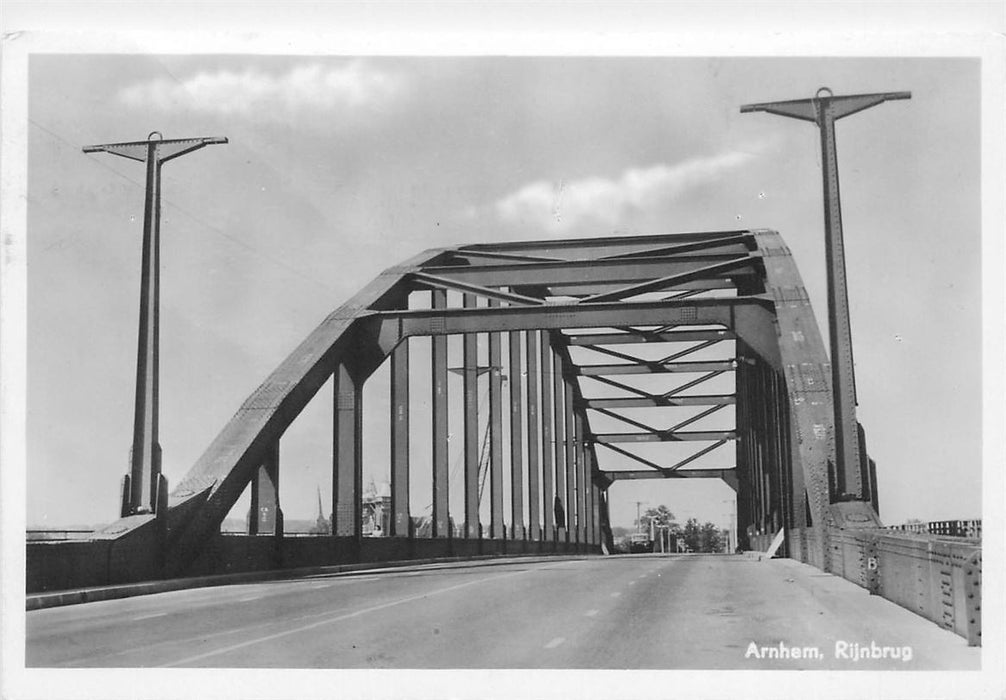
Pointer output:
x,y
338,618
555,642
591,613
212,635
616,594
148,617
334,581
632,583
250,597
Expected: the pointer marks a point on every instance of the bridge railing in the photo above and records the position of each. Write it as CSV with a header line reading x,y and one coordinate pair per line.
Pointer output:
x,y
57,535
933,576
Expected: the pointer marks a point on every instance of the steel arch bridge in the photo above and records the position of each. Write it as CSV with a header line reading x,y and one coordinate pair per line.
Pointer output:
x,y
557,305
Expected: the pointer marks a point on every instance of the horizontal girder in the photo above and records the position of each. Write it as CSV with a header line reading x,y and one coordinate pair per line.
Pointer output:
x,y
669,474
655,368
611,246
660,436
657,401
639,337
554,274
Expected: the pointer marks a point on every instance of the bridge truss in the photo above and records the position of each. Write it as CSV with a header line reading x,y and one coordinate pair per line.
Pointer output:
x,y
693,309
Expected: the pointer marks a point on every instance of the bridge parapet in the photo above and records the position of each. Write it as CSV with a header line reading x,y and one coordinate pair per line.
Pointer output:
x,y
936,577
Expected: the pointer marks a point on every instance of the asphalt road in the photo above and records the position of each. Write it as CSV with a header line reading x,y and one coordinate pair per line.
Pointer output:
x,y
628,612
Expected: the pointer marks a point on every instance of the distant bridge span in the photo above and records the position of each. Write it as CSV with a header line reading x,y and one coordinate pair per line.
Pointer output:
x,y
558,306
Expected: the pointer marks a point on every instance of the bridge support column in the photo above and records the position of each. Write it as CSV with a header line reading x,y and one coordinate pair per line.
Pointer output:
x,y
589,495
400,520
547,474
533,444
604,524
348,467
559,443
441,464
517,527
495,433
581,482
265,516
571,447
746,477
471,427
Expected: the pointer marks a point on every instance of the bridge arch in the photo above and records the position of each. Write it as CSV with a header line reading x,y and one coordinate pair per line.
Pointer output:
x,y
696,289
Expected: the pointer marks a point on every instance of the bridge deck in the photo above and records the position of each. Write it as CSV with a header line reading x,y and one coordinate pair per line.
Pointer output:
x,y
649,611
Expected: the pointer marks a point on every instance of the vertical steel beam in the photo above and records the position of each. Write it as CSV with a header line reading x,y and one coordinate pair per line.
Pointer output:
x,y
558,402
588,501
745,444
589,494
517,529
588,466
441,465
471,426
581,481
547,493
495,433
782,466
253,488
571,443
595,513
533,445
270,514
400,440
347,456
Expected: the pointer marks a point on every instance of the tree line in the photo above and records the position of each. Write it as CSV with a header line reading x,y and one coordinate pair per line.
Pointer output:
x,y
696,537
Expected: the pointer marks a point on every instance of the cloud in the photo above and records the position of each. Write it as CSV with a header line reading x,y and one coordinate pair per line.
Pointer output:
x,y
314,87
557,207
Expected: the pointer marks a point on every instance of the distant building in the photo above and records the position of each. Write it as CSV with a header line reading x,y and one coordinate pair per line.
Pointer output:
x,y
322,525
377,510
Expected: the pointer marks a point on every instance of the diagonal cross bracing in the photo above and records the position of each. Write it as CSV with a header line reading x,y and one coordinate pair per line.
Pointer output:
x,y
437,282
687,460
729,239
496,255
619,385
670,280
689,385
657,431
657,368
688,351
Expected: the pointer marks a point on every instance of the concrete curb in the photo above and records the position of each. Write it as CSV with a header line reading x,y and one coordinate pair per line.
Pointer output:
x,y
40,601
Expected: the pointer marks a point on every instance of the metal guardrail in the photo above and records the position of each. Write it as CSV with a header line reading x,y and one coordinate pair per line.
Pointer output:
x,y
57,535
244,533
931,575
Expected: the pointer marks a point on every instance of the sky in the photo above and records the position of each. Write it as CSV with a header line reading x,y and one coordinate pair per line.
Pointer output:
x,y
338,167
